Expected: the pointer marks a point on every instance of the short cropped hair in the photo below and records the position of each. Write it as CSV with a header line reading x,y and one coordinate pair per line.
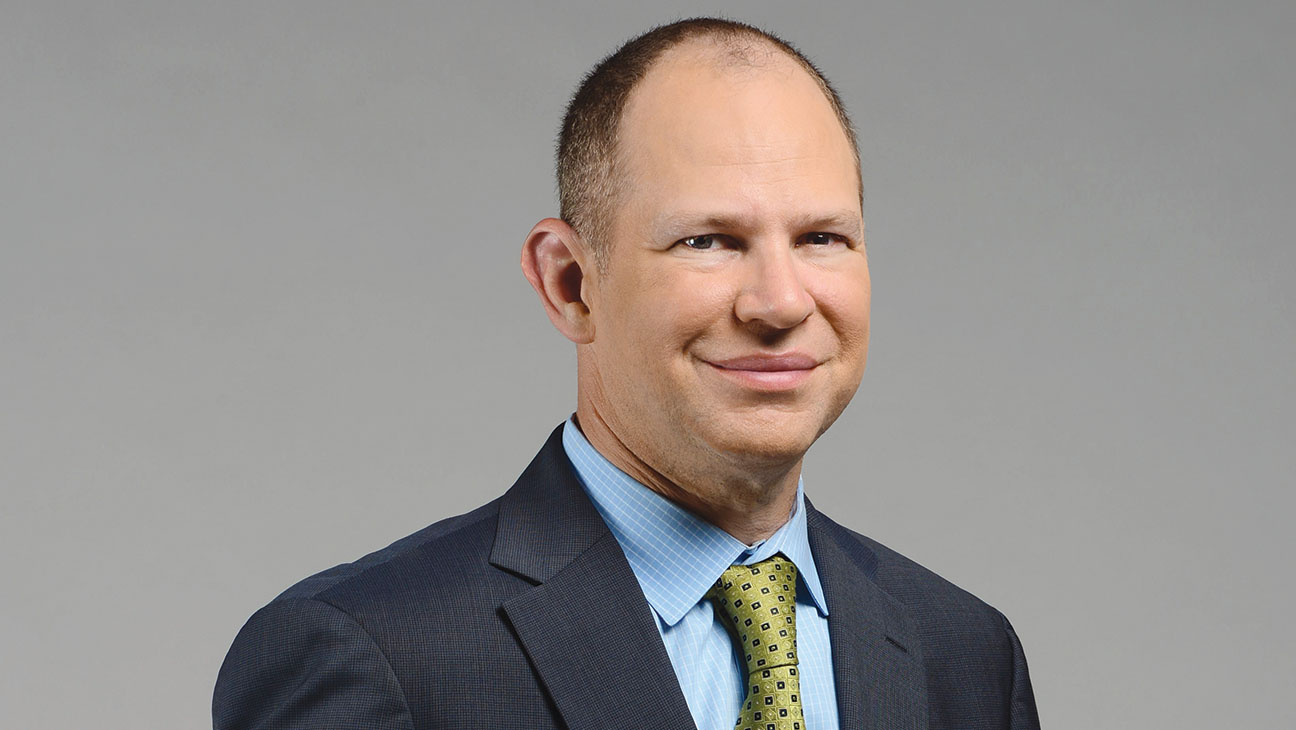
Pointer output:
x,y
587,146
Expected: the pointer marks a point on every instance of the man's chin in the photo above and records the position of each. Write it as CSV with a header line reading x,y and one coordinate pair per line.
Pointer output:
x,y
764,442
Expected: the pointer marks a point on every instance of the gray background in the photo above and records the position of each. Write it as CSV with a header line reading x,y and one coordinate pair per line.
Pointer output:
x,y
260,313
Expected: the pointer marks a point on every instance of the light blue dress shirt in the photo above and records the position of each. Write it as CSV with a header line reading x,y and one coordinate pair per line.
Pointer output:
x,y
676,557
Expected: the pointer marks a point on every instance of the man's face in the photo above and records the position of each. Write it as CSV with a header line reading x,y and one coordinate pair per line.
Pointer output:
x,y
731,324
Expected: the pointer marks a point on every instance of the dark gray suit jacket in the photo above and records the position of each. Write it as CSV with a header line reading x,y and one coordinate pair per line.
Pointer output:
x,y
469,623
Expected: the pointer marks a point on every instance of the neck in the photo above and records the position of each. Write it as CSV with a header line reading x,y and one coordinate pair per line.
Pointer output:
x,y
748,502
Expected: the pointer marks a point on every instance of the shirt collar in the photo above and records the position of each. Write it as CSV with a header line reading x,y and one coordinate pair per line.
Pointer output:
x,y
675,555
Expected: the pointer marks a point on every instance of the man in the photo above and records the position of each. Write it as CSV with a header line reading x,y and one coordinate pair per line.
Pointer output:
x,y
657,565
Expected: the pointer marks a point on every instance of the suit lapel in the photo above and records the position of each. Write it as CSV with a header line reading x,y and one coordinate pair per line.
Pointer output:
x,y
585,626
877,660
592,639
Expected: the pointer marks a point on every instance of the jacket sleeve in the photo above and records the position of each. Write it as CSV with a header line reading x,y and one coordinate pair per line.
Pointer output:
x,y
1022,712
302,663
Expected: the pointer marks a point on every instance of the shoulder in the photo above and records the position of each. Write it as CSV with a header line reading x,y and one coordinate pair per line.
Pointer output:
x,y
419,569
972,658
946,615
451,547
346,638
927,594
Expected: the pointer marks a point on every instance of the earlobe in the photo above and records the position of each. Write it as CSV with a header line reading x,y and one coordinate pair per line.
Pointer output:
x,y
553,260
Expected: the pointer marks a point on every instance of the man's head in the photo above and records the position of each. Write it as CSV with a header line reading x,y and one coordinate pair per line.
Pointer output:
x,y
589,179
725,326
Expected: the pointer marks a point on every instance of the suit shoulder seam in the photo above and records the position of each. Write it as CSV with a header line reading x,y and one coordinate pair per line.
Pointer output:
x,y
391,673
342,581
889,556
1008,636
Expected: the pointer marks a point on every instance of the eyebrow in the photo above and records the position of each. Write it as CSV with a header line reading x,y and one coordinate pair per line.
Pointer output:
x,y
687,221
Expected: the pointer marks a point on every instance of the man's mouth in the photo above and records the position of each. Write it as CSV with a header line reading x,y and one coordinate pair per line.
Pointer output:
x,y
768,372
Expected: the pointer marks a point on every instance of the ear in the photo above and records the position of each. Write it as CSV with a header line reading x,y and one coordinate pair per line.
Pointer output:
x,y
554,260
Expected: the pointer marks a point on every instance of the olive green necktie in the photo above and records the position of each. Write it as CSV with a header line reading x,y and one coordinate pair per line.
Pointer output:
x,y
758,605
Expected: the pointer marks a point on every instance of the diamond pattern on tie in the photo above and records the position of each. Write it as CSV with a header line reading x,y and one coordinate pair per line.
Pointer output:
x,y
758,605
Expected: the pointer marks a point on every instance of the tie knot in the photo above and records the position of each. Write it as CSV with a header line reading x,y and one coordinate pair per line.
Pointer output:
x,y
758,605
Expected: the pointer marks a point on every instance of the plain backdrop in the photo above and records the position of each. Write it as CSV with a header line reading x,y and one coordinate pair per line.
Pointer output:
x,y
261,313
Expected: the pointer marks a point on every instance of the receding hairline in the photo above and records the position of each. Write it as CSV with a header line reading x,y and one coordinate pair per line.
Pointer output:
x,y
591,175
726,50
752,54
736,56
727,56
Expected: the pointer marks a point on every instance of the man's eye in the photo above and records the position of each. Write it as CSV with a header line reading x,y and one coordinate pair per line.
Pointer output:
x,y
823,239
701,243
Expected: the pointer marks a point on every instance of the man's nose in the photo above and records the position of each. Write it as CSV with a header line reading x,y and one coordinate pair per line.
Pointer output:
x,y
773,292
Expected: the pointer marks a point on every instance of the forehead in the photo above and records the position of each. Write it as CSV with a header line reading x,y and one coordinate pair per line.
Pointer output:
x,y
704,126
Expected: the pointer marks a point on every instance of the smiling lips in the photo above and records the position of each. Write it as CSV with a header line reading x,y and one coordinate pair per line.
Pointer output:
x,y
767,372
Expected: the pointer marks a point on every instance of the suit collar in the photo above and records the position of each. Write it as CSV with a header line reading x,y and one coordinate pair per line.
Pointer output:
x,y
545,520
596,647
585,626
655,532
877,659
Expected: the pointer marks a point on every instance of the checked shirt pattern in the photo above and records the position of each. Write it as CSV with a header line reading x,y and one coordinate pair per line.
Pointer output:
x,y
758,604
